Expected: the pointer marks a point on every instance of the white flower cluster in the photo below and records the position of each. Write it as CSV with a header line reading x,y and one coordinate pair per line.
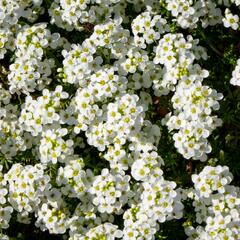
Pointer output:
x,y
192,118
159,202
235,80
73,178
177,54
77,64
147,28
5,97
86,222
69,14
26,187
5,41
53,215
216,204
104,231
188,12
12,137
31,70
5,209
110,192
121,117
53,147
43,111
192,101
10,12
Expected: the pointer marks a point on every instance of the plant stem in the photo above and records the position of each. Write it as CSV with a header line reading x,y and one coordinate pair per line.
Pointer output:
x,y
210,44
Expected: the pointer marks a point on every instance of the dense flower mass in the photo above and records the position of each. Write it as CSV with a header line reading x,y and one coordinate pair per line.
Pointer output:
x,y
216,204
91,91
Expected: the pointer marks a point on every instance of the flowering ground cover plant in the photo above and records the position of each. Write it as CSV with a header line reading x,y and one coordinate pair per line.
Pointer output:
x,y
119,119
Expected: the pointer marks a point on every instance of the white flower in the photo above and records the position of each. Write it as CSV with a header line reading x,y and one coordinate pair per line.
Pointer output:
x,y
230,20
